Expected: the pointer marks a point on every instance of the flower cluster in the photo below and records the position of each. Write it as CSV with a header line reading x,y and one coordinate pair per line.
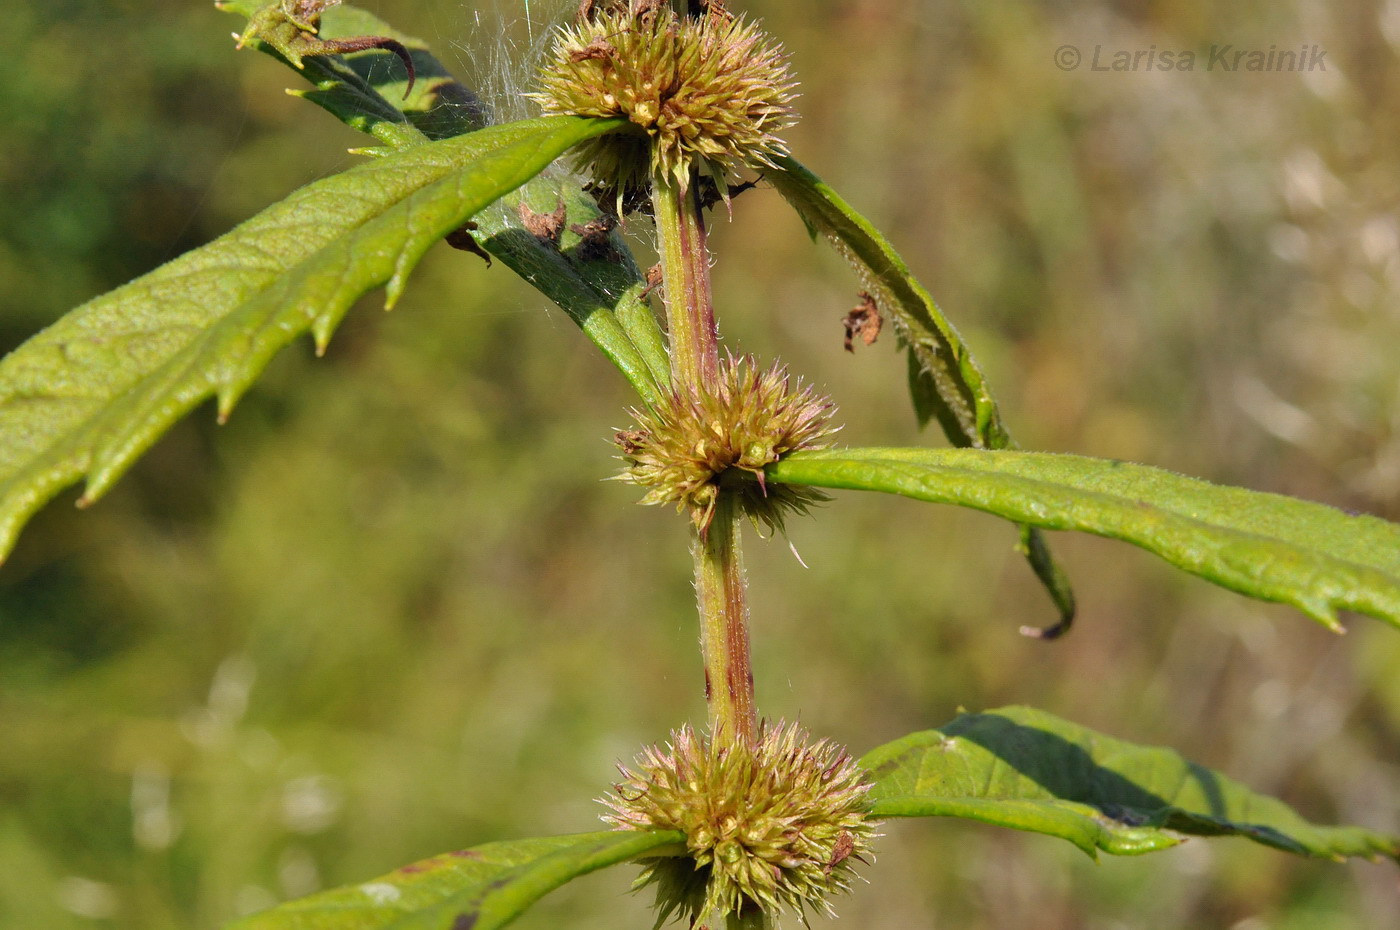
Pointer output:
x,y
748,419
709,92
776,823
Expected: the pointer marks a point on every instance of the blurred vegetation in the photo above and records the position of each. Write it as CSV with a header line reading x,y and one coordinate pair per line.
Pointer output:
x,y
391,609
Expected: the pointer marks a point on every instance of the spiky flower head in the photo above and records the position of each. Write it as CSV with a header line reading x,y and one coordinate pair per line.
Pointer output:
x,y
693,444
776,823
710,92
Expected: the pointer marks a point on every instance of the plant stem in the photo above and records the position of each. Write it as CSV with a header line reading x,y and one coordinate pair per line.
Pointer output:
x,y
722,593
720,586
685,273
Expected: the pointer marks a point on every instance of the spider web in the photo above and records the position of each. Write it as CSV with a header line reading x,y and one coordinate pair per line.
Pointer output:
x,y
495,47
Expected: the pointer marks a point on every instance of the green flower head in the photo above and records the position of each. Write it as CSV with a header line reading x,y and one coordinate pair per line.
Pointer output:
x,y
710,92
772,825
693,445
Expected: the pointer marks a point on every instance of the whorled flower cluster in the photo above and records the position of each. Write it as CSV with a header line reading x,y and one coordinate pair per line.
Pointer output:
x,y
774,824
686,450
710,91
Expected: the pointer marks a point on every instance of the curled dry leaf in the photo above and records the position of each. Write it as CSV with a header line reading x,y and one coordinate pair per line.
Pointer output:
x,y
462,239
864,320
546,227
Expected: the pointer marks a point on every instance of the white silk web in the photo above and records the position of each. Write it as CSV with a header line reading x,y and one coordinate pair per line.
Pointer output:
x,y
495,46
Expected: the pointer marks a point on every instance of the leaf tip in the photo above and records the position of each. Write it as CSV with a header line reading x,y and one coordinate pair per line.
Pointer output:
x,y
393,292
228,399
1046,633
321,329
1324,614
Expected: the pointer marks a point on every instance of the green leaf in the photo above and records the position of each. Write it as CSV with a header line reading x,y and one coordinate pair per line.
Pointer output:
x,y
438,104
945,381
481,888
367,92
600,290
87,395
1025,769
1314,557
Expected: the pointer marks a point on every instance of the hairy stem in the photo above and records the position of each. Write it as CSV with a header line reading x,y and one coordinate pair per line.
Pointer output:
x,y
719,565
685,273
721,591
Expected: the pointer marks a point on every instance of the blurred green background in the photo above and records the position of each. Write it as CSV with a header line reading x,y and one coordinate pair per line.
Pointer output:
x,y
391,608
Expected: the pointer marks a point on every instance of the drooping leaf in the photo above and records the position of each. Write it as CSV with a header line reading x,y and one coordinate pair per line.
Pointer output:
x,y
86,396
945,381
1314,557
948,384
1025,769
482,888
599,288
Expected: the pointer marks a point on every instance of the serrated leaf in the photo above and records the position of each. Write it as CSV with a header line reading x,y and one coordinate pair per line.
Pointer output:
x,y
87,395
1314,557
482,888
1025,769
945,381
600,290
